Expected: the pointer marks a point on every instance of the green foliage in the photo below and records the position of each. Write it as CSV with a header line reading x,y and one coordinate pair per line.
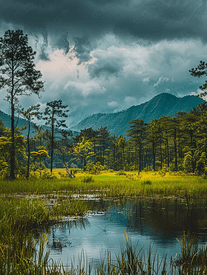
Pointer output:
x,y
19,76
95,168
187,162
201,163
54,113
121,173
40,154
87,179
45,174
146,182
162,172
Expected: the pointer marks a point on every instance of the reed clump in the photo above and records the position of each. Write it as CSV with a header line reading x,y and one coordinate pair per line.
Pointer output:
x,y
23,226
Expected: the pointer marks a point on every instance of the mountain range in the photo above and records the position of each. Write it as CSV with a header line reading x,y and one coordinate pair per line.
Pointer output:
x,y
6,119
164,104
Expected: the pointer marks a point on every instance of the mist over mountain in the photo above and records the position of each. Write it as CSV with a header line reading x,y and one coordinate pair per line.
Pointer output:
x,y
164,104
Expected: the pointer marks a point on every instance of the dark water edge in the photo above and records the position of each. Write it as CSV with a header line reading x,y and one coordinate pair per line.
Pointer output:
x,y
150,223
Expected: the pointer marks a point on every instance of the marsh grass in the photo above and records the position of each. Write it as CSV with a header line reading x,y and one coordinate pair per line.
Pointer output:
x,y
23,221
112,185
23,238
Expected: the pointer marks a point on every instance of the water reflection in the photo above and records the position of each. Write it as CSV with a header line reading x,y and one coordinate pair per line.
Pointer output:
x,y
158,222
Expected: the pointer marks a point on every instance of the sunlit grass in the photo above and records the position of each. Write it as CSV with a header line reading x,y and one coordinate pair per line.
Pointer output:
x,y
111,184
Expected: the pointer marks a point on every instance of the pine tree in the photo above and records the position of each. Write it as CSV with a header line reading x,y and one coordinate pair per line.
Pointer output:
x,y
53,112
29,115
19,76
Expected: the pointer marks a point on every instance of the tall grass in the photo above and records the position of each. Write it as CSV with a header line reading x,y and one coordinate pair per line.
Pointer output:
x,y
23,239
112,185
130,261
22,222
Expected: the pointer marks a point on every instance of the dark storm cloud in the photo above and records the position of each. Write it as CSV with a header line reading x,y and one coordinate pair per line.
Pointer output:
x,y
105,67
61,40
149,19
82,48
43,55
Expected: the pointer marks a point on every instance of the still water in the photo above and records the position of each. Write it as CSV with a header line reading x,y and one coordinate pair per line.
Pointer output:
x,y
152,222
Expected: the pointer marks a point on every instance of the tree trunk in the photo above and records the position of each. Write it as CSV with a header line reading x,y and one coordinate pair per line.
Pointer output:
x,y
192,152
175,150
12,161
160,155
140,157
28,149
153,153
168,154
52,146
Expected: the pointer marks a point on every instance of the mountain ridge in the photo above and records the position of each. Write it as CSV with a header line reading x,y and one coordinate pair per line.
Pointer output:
x,y
163,104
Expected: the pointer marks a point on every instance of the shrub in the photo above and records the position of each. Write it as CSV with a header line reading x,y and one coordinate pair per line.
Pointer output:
x,y
121,173
146,182
87,179
187,162
94,168
201,163
45,174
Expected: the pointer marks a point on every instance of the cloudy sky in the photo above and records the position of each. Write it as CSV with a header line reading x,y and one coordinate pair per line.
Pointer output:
x,y
107,55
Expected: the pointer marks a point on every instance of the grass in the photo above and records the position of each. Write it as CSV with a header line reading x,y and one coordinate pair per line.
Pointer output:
x,y
112,185
22,226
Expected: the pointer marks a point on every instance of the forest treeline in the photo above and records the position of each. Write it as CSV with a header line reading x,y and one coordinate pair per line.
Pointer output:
x,y
177,143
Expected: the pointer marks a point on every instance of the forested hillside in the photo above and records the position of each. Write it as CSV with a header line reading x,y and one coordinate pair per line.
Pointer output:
x,y
178,143
161,105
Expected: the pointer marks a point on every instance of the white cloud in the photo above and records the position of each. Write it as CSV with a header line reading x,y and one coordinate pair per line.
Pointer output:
x,y
146,80
112,103
130,101
84,88
161,80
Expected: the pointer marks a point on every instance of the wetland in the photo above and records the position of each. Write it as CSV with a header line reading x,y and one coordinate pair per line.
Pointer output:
x,y
103,225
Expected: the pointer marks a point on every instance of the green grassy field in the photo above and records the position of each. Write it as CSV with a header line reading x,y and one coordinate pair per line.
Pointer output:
x,y
111,184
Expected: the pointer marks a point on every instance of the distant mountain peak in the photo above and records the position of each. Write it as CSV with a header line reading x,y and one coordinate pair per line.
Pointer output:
x,y
163,104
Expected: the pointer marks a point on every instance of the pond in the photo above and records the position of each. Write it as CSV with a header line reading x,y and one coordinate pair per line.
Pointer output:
x,y
155,222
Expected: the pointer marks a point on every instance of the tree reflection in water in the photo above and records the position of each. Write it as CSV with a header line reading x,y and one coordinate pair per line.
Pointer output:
x,y
156,221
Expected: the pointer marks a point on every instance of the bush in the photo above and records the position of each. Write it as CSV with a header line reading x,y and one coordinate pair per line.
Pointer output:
x,y
95,168
187,162
121,173
45,174
200,166
146,182
87,179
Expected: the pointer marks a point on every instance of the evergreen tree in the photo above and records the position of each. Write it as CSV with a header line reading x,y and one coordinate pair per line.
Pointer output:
x,y
29,115
18,75
136,134
103,139
199,71
52,114
152,133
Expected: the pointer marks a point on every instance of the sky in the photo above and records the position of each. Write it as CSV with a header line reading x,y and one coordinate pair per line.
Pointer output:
x,y
107,55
